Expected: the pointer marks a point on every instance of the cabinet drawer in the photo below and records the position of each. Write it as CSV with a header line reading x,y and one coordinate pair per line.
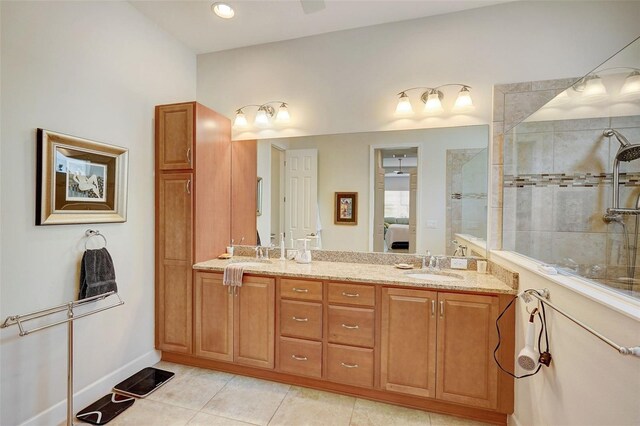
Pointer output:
x,y
351,326
301,319
352,294
301,357
301,289
353,366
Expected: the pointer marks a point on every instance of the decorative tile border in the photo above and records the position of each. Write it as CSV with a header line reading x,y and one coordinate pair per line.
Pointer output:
x,y
584,180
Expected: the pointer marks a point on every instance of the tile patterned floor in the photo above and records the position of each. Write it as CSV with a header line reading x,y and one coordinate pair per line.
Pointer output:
x,y
199,397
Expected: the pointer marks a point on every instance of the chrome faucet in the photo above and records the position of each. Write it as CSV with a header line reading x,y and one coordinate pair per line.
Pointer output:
x,y
258,252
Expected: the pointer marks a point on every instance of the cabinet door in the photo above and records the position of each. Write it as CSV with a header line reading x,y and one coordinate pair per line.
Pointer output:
x,y
408,341
214,317
174,136
175,223
255,322
467,336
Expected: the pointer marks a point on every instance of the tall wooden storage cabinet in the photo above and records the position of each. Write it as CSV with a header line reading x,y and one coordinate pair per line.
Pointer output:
x,y
193,181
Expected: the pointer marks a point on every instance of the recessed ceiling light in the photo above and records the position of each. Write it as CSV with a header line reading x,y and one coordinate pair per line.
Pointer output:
x,y
223,10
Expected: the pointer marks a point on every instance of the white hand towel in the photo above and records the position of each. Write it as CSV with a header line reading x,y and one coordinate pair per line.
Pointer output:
x,y
233,274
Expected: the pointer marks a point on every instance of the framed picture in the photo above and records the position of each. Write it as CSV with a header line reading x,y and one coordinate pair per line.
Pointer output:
x,y
79,180
346,208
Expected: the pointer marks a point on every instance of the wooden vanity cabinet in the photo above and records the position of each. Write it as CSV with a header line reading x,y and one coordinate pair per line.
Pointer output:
x,y
192,183
300,327
467,373
440,345
235,324
408,341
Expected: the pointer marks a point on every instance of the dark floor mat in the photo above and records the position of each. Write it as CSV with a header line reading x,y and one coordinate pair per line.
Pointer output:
x,y
105,409
143,382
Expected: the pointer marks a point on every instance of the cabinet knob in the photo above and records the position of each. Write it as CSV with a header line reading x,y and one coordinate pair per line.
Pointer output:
x,y
350,327
299,357
300,319
349,365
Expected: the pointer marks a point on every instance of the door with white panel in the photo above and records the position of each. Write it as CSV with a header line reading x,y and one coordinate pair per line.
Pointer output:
x,y
301,189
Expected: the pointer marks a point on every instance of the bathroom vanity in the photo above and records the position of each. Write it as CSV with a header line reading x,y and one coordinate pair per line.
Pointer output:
x,y
363,328
359,329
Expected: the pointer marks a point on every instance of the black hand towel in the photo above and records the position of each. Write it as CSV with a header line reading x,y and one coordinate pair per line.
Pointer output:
x,y
97,275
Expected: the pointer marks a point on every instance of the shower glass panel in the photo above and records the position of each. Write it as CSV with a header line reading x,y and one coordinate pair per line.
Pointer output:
x,y
559,168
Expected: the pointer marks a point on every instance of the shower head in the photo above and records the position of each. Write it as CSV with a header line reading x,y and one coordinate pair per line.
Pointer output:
x,y
627,151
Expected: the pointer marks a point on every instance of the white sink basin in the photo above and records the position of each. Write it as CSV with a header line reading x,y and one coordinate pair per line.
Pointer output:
x,y
431,276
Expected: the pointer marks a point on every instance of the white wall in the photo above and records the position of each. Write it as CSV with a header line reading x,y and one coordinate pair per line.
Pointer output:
x,y
95,70
343,166
588,383
347,81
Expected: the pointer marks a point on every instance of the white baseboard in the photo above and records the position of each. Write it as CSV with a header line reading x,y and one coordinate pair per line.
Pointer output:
x,y
57,413
512,420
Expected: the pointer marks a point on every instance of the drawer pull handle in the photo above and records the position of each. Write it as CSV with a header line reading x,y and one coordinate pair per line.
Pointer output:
x,y
441,309
299,358
189,155
300,319
350,294
349,365
350,327
300,290
433,307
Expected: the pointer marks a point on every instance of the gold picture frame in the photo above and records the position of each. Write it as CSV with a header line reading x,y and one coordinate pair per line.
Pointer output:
x,y
79,180
346,209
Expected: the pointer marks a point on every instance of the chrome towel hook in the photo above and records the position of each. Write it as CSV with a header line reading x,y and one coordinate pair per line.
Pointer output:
x,y
94,233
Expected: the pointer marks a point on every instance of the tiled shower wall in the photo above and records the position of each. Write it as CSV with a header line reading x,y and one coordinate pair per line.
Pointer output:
x,y
512,103
557,186
461,217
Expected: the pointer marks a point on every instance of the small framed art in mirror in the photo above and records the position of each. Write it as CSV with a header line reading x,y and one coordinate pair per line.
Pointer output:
x,y
79,180
346,211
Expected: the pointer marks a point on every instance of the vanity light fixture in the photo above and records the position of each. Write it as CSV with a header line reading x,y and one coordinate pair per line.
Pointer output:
x,y
432,99
264,114
592,86
631,84
223,10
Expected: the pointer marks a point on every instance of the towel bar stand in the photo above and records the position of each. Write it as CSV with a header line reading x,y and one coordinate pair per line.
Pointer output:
x,y
20,321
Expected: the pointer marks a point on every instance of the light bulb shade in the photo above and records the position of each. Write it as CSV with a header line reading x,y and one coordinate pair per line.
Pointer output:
x,y
404,105
463,102
262,119
631,84
594,88
240,120
433,104
283,114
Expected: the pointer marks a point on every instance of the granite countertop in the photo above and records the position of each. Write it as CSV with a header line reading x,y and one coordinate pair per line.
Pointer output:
x,y
364,273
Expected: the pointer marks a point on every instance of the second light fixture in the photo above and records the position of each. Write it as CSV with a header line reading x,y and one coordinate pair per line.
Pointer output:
x,y
432,99
264,114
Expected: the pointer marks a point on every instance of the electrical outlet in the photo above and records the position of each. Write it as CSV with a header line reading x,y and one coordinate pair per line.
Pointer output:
x,y
432,224
457,263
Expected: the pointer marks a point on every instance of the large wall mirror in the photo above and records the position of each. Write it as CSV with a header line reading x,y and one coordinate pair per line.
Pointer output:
x,y
572,178
398,191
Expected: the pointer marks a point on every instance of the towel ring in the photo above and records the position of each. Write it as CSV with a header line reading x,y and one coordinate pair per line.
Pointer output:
x,y
94,233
